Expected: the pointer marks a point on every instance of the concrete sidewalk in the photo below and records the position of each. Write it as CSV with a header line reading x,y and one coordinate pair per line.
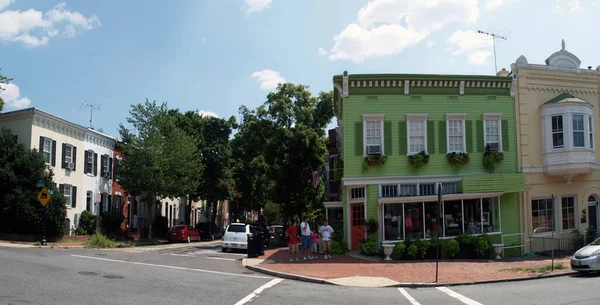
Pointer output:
x,y
357,271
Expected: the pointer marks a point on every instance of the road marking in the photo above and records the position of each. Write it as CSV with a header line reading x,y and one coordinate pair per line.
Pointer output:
x,y
223,259
171,267
174,254
409,297
458,296
256,292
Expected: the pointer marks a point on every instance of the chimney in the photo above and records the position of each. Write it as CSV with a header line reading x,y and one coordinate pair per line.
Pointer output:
x,y
503,72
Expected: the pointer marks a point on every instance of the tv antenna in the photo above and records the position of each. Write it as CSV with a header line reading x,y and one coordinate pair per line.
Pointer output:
x,y
92,108
494,36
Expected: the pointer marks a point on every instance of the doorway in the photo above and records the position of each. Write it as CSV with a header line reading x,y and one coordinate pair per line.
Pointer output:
x,y
358,222
593,212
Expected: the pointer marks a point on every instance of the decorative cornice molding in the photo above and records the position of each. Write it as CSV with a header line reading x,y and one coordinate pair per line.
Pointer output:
x,y
555,89
561,80
428,84
102,141
63,127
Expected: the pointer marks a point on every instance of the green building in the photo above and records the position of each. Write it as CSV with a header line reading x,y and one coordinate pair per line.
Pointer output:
x,y
403,135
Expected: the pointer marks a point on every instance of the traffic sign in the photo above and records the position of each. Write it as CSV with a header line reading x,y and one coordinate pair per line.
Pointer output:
x,y
44,196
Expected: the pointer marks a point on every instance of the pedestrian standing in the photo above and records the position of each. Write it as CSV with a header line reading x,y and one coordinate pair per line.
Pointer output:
x,y
292,233
314,237
326,233
306,241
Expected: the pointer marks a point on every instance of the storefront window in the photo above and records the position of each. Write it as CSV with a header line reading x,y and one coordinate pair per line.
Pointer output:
x,y
431,219
453,218
472,210
393,222
413,219
491,215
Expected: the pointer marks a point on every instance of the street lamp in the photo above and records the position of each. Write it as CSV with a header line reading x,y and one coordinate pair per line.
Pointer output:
x,y
45,174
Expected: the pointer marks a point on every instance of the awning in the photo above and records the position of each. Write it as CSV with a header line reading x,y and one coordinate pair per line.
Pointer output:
x,y
446,197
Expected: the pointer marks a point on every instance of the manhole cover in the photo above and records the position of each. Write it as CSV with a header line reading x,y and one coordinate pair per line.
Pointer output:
x,y
87,273
112,276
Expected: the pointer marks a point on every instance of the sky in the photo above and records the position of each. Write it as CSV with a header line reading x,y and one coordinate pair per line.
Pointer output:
x,y
215,55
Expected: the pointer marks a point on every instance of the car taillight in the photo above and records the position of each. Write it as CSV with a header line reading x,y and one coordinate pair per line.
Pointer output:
x,y
272,234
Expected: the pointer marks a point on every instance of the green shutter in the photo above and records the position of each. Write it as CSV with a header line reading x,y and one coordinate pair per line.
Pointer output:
x,y
430,137
442,136
469,135
480,141
387,137
505,138
402,137
358,138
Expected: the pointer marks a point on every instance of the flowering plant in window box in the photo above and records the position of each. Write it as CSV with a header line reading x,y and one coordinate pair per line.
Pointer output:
x,y
491,158
373,160
458,158
419,159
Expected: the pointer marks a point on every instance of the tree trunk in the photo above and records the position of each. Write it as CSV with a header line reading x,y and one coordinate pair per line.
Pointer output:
x,y
214,211
188,213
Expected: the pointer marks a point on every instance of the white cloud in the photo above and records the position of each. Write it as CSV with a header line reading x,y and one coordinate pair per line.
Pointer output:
x,y
476,46
207,114
5,3
430,43
35,28
12,97
492,4
322,51
268,79
255,6
387,27
571,5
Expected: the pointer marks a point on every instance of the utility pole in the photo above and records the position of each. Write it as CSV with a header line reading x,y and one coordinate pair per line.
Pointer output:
x,y
92,108
494,36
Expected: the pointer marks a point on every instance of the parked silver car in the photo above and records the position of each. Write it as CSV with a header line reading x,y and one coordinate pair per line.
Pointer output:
x,y
587,259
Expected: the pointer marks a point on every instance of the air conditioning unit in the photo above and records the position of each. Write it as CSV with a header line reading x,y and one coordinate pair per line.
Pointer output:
x,y
494,146
374,150
71,166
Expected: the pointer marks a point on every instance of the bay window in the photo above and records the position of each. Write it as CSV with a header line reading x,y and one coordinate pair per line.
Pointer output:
x,y
578,131
557,132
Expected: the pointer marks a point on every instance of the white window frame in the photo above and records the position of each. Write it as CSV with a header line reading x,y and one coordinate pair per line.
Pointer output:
x,y
495,116
456,117
590,131
582,131
554,214
49,151
575,216
69,196
358,190
90,162
562,116
69,157
372,117
383,190
416,117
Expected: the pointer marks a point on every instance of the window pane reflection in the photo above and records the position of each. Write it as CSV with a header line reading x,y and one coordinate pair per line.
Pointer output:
x,y
393,222
413,218
453,217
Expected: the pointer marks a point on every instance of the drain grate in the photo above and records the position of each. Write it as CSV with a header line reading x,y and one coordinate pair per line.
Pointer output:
x,y
112,276
87,273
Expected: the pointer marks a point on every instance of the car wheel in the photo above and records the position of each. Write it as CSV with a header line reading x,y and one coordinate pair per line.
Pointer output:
x,y
189,239
223,249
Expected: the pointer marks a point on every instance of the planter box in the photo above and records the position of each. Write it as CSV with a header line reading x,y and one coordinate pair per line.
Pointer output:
x,y
430,254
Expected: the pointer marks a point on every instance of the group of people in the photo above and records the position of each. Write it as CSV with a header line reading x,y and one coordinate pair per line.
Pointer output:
x,y
310,240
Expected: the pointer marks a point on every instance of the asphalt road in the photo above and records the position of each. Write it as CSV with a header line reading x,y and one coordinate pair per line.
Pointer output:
x,y
198,274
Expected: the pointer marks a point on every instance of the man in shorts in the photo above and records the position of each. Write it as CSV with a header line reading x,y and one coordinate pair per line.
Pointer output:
x,y
292,233
326,233
306,241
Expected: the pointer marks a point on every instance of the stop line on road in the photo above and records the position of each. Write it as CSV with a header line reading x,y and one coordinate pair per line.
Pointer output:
x,y
445,290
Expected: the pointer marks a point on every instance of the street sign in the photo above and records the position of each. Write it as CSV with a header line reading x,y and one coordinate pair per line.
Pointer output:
x,y
44,196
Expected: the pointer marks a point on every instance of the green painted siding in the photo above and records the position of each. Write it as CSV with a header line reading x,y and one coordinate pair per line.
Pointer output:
x,y
372,201
481,183
395,108
511,223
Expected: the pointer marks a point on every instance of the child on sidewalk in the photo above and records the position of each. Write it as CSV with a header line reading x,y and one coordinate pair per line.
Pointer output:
x,y
315,241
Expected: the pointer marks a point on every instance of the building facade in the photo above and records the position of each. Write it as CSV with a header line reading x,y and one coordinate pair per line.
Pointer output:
x,y
557,105
404,135
97,172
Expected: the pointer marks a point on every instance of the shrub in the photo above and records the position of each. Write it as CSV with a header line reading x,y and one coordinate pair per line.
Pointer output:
x,y
87,222
80,231
423,246
398,251
369,248
481,245
98,241
338,247
452,248
412,251
112,221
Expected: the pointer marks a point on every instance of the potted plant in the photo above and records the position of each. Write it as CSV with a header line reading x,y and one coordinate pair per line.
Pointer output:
x,y
373,160
492,158
419,159
457,158
452,248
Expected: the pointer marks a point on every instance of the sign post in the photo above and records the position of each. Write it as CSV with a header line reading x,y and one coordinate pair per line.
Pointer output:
x,y
437,234
44,196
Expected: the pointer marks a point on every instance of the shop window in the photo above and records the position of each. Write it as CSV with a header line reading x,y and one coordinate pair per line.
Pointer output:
x,y
542,214
393,221
568,213
357,193
390,190
408,190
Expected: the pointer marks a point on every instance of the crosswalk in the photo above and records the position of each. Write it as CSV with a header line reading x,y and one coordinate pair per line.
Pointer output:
x,y
447,291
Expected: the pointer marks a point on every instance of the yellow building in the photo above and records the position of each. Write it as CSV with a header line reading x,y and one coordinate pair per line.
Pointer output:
x,y
558,114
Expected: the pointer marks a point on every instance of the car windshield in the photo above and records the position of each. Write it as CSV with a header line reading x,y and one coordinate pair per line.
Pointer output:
x,y
237,228
596,242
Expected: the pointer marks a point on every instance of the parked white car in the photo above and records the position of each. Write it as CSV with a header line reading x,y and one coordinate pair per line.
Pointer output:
x,y
587,259
235,237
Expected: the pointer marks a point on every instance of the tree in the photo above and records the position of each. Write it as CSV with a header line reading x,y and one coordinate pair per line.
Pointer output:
x,y
160,159
3,80
20,171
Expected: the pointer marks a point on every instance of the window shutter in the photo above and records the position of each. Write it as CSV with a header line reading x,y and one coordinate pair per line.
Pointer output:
x,y
387,137
358,139
95,164
469,135
403,138
61,188
85,158
505,138
41,147
442,137
109,199
430,137
64,153
53,153
74,197
480,139
74,152
110,168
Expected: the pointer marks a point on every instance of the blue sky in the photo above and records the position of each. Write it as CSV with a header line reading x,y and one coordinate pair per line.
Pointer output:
x,y
215,55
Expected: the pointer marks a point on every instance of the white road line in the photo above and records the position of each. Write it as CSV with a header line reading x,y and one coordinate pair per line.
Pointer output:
x,y
256,292
223,259
458,296
186,255
171,267
409,297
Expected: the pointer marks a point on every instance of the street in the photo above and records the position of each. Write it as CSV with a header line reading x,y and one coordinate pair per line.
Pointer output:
x,y
198,274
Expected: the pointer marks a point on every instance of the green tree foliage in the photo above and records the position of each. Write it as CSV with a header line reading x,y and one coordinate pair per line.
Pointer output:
x,y
87,222
20,210
3,80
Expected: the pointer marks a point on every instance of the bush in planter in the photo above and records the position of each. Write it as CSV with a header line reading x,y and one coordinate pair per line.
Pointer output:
x,y
338,247
412,251
373,160
398,251
491,158
423,246
481,246
452,248
419,159
457,158
369,247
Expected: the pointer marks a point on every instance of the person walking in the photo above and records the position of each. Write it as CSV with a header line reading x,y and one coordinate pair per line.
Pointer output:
x,y
326,233
292,233
306,241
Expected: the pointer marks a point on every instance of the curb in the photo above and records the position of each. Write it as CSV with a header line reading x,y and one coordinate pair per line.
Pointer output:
x,y
289,276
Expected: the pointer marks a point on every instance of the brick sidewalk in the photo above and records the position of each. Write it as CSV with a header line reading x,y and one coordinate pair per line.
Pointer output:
x,y
410,271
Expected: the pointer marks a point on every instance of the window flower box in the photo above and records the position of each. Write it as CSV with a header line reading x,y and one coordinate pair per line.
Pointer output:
x,y
373,160
491,158
419,159
457,158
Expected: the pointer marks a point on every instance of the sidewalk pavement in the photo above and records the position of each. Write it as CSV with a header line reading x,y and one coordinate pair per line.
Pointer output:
x,y
354,269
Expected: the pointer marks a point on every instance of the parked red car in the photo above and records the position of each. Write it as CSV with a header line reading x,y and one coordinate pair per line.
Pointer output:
x,y
183,233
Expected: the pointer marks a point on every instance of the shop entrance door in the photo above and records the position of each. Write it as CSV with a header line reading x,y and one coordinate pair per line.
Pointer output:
x,y
358,222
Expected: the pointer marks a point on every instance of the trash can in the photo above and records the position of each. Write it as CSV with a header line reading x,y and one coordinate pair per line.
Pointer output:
x,y
260,244
252,253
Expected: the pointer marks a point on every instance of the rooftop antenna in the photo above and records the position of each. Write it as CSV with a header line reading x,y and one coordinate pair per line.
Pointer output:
x,y
494,36
92,107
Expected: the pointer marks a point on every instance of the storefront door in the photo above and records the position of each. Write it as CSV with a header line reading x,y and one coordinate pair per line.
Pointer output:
x,y
358,221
